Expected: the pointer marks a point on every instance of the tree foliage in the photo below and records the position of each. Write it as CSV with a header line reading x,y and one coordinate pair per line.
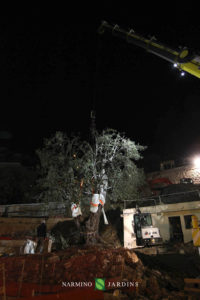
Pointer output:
x,y
71,168
59,176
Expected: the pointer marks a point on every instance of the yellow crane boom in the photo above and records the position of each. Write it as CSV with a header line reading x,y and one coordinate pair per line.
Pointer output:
x,y
183,59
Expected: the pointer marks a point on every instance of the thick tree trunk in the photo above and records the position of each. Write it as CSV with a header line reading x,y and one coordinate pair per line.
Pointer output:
x,y
89,229
92,227
77,221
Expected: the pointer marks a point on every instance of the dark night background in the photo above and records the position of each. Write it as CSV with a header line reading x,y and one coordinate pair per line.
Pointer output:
x,y
53,71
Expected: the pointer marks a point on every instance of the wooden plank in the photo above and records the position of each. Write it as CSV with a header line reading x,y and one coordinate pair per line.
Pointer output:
x,y
12,243
192,285
189,289
192,280
21,278
3,288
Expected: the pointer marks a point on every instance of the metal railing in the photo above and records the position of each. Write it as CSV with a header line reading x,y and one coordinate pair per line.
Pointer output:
x,y
187,196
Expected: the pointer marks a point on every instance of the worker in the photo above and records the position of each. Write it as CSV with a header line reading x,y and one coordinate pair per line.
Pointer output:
x,y
41,235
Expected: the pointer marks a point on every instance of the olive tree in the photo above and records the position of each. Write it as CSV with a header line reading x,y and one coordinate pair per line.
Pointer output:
x,y
58,169
78,171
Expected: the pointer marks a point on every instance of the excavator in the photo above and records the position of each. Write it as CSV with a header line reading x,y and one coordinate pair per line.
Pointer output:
x,y
183,59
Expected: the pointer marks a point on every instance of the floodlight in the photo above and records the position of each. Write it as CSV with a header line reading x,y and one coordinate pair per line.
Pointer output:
x,y
196,161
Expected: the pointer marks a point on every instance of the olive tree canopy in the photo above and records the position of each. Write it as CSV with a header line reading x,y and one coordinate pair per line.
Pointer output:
x,y
70,168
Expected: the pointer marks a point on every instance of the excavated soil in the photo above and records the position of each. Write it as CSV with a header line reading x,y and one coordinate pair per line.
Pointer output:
x,y
157,276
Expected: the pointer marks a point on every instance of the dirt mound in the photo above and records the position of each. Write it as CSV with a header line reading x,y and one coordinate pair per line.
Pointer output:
x,y
75,264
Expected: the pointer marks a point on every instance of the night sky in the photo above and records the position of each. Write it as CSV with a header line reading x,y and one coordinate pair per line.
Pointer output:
x,y
54,71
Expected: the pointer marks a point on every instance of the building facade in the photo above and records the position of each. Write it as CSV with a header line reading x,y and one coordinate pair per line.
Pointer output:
x,y
177,173
173,221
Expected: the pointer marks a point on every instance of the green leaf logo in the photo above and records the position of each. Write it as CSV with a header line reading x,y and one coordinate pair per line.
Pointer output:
x,y
100,284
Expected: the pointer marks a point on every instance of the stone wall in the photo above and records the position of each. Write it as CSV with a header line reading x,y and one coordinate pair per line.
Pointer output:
x,y
175,174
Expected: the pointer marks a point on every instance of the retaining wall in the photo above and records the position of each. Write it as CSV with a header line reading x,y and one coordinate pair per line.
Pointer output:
x,y
25,226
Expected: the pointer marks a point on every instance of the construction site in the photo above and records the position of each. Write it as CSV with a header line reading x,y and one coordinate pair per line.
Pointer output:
x,y
149,247
145,253
68,270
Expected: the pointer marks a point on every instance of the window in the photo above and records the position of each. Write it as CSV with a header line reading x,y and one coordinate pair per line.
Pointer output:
x,y
142,220
188,221
145,220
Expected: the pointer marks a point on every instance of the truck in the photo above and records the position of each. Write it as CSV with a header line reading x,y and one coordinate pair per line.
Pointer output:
x,y
183,59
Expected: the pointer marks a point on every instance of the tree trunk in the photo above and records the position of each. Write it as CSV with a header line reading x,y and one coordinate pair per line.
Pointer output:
x,y
92,227
89,228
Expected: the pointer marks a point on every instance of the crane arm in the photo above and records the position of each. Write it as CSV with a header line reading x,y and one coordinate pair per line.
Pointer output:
x,y
183,59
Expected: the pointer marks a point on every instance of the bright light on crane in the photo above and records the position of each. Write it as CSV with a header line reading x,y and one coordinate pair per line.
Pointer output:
x,y
182,73
196,162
